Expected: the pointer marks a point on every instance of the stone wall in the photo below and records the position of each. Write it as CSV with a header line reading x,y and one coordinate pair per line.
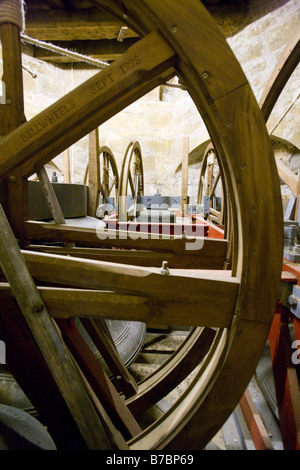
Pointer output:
x,y
258,48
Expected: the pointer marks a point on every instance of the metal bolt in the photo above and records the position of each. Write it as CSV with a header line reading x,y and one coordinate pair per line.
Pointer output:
x,y
174,29
243,166
13,179
205,74
228,123
165,268
8,101
38,308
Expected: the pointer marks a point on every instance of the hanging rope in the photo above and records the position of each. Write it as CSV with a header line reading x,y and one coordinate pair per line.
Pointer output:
x,y
12,11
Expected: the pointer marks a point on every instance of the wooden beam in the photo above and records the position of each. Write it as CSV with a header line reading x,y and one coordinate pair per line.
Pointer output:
x,y
92,121
208,253
66,303
94,173
101,337
12,116
112,402
287,63
69,24
97,99
92,23
53,349
190,298
213,256
255,424
103,49
50,196
289,177
185,175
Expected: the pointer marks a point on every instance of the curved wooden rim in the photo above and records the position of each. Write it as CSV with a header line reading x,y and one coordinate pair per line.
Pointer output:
x,y
214,215
106,151
224,99
133,152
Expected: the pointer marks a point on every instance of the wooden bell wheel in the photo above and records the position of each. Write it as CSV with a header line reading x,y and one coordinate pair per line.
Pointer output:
x,y
208,183
231,306
131,181
105,182
109,181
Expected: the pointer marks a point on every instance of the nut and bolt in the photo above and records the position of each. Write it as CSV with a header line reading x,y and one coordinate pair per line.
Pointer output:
x,y
165,268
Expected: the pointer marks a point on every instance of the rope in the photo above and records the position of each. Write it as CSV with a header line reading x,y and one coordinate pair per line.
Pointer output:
x,y
12,11
66,52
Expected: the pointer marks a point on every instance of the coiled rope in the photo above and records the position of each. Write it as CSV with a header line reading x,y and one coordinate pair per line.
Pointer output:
x,y
12,11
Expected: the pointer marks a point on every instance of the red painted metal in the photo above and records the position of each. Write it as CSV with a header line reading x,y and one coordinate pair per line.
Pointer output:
x,y
254,423
213,230
285,379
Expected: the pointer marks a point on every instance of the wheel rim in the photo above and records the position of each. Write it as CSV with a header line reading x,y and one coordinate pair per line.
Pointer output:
x,y
131,180
109,175
229,109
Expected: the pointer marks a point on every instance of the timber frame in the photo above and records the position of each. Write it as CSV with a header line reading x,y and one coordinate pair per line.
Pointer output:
x,y
229,311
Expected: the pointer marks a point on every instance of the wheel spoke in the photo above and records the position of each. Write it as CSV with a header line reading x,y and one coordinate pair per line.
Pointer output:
x,y
131,183
190,252
183,297
112,185
213,188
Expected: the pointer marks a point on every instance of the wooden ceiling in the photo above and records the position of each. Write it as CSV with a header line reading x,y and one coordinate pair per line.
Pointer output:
x,y
79,26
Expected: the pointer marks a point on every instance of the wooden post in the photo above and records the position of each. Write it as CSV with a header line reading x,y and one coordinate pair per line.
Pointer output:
x,y
48,339
50,197
11,117
66,159
94,172
98,331
185,169
52,201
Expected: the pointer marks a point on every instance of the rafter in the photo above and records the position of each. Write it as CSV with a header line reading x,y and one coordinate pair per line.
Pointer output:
x,y
66,25
103,49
